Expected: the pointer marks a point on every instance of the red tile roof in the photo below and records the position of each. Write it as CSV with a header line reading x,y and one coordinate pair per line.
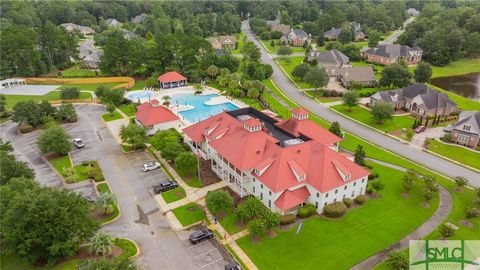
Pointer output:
x,y
308,128
151,114
299,111
171,76
147,105
291,199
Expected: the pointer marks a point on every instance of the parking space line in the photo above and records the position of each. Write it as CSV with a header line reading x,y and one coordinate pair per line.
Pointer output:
x,y
212,262
204,253
196,245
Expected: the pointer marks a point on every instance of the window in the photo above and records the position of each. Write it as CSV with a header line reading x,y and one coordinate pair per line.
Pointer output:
x,y
345,188
363,180
316,205
254,189
261,186
325,204
269,204
335,200
318,195
354,183
353,194
336,191
261,196
326,195
270,193
253,180
466,128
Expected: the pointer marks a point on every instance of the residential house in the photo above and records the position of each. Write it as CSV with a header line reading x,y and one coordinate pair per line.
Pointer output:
x,y
71,27
332,34
171,79
89,54
419,99
387,54
284,163
154,117
222,42
467,129
296,37
280,27
348,75
139,18
413,12
112,23
358,35
128,34
332,58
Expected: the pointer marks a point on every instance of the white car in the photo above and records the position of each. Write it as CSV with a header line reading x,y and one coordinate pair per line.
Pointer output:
x,y
150,166
78,143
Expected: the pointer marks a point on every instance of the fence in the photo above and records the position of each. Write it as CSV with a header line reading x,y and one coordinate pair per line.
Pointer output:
x,y
127,82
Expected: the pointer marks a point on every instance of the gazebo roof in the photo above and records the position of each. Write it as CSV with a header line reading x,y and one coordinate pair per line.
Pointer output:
x,y
171,76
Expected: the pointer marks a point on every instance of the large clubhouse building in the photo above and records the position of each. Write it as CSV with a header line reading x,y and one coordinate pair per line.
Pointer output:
x,y
284,163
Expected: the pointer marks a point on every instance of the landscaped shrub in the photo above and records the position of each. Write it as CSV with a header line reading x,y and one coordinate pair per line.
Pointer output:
x,y
446,138
348,202
69,93
306,211
219,201
372,176
360,199
287,219
335,210
25,128
471,212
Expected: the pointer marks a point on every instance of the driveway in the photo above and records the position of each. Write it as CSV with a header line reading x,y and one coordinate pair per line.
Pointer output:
x,y
435,163
393,37
418,139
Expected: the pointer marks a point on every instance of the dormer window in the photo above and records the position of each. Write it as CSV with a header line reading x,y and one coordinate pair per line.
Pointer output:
x,y
300,114
252,125
466,127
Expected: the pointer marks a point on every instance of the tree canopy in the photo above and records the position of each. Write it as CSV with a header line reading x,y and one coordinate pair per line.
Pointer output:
x,y
54,139
134,135
395,75
10,167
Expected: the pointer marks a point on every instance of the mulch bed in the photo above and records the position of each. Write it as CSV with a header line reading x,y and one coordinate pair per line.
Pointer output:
x,y
99,215
466,223
207,176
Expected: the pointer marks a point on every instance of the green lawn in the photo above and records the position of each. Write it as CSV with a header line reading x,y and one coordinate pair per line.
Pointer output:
x,y
53,95
127,246
363,115
270,49
193,181
61,163
111,116
189,214
90,86
288,67
229,223
174,195
360,44
139,84
104,188
462,102
14,262
458,67
362,232
76,71
240,42
458,153
128,109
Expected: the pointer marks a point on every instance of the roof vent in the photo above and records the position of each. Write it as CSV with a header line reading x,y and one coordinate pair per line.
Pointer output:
x,y
300,114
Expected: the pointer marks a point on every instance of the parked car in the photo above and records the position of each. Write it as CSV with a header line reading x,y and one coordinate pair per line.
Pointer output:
x,y
232,266
150,166
78,143
200,235
164,186
420,129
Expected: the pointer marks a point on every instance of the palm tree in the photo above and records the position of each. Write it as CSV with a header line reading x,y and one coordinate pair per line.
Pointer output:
x,y
460,181
166,100
101,243
105,202
397,260
446,231
212,71
198,88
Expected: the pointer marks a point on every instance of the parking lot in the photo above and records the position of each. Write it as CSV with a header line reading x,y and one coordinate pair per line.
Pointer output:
x,y
208,254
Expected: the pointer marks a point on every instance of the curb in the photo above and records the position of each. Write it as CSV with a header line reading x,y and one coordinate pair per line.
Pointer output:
x,y
118,207
136,246
451,160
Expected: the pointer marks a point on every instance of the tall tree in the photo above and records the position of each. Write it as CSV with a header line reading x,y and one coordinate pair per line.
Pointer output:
x,y
359,155
316,77
284,51
186,164
335,129
219,201
395,75
134,135
54,139
350,99
381,111
423,72
10,167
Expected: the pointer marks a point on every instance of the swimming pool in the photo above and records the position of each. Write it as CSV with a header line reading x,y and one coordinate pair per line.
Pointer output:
x,y
201,111
139,96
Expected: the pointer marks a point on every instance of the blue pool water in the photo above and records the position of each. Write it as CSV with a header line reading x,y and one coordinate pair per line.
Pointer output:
x,y
143,96
201,111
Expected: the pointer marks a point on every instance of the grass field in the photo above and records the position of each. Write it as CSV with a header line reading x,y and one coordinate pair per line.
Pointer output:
x,y
76,71
61,163
363,115
458,67
455,152
240,42
229,223
139,84
289,66
53,95
111,116
189,214
128,109
90,86
270,49
174,195
349,239
14,262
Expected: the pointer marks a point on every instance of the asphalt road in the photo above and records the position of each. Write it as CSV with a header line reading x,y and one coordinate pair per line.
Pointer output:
x,y
392,38
435,163
141,220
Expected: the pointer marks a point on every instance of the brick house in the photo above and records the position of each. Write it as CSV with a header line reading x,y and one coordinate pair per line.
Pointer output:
x,y
222,42
388,54
284,163
283,28
419,99
348,75
296,37
467,129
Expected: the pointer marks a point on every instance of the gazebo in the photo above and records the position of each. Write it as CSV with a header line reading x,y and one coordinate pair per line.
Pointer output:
x,y
171,79
7,83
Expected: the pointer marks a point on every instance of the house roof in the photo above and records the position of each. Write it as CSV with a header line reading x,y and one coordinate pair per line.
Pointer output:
x,y
332,57
294,33
290,199
112,22
349,74
151,113
281,28
139,18
218,42
309,155
171,76
81,28
334,32
128,34
471,118
393,51
430,97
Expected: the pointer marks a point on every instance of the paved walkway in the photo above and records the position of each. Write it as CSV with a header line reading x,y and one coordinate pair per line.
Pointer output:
x,y
418,139
390,144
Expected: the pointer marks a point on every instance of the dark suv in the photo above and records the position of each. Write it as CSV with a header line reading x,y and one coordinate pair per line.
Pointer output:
x,y
164,186
200,235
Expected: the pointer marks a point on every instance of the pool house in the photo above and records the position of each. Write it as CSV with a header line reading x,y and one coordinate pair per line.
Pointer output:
x,y
171,79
